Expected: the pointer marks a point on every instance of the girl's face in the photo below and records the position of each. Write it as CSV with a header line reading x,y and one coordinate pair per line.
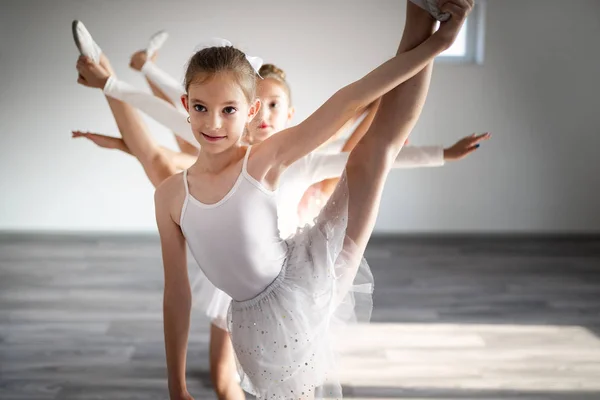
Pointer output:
x,y
219,111
275,112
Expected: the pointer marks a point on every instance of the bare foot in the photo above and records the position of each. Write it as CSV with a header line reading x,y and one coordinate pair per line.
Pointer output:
x,y
91,74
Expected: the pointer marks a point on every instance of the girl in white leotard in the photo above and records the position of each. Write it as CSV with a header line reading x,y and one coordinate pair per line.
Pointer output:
x,y
312,169
333,171
290,297
300,176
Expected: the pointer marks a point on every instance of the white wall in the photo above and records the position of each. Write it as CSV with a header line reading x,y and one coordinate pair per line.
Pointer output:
x,y
537,93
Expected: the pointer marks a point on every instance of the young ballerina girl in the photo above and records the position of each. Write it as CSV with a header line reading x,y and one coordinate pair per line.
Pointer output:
x,y
263,72
275,95
287,293
273,91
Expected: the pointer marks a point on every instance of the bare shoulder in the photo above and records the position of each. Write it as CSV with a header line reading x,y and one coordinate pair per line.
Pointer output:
x,y
169,188
169,197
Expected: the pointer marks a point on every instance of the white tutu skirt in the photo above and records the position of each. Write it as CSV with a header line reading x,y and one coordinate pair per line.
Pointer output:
x,y
284,337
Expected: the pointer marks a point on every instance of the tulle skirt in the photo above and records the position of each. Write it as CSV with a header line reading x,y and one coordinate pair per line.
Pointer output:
x,y
210,300
284,337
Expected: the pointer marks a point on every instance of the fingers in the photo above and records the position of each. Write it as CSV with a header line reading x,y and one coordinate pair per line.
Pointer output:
x,y
457,8
483,136
474,138
138,59
82,81
84,61
77,134
464,4
470,150
465,146
454,10
461,153
474,143
83,64
479,138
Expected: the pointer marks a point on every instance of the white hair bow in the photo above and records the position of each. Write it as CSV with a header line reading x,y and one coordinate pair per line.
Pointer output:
x,y
255,62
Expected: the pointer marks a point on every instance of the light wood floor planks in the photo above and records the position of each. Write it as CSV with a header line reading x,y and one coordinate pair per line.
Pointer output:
x,y
455,318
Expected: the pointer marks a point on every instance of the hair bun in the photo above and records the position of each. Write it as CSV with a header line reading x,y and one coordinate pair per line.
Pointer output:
x,y
269,70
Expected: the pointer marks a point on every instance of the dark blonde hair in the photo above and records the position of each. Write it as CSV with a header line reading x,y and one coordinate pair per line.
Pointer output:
x,y
212,60
274,72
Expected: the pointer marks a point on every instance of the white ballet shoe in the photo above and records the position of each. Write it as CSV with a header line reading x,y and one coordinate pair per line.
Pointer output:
x,y
431,6
156,42
84,42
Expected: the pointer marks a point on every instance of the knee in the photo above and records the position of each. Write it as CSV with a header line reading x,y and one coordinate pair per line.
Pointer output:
x,y
371,157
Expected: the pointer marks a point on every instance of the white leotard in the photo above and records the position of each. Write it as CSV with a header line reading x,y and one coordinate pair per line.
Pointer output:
x,y
236,241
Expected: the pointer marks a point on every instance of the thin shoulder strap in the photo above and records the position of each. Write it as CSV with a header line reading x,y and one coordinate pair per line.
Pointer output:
x,y
187,196
245,164
185,183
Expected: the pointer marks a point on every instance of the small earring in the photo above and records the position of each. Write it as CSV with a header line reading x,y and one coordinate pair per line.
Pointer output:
x,y
188,120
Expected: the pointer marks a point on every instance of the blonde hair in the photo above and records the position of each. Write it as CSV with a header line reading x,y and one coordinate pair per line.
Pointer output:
x,y
273,72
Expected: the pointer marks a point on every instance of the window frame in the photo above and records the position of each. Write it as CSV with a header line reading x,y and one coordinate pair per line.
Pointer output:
x,y
474,38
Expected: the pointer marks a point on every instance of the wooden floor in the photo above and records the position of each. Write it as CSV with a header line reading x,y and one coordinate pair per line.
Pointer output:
x,y
463,318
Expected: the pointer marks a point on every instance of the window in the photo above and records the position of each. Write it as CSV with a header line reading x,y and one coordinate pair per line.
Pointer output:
x,y
468,47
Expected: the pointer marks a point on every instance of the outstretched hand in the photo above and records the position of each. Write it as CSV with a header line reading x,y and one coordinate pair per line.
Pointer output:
x,y
465,146
104,141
